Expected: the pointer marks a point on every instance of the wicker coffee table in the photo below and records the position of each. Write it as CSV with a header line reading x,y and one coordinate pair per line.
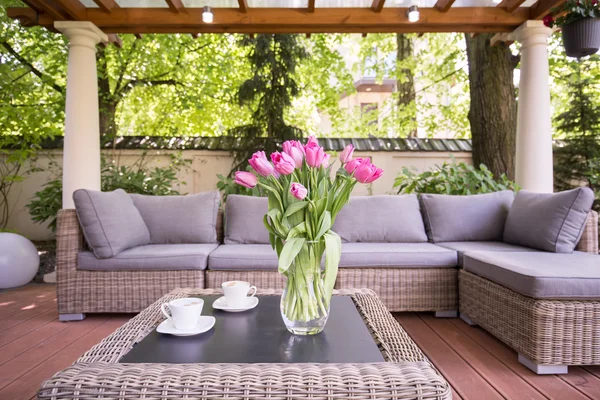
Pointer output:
x,y
405,374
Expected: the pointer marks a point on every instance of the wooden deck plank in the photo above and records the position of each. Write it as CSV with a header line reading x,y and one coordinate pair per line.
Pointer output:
x,y
21,305
25,315
466,381
15,368
506,381
593,369
28,385
550,386
14,300
30,325
584,381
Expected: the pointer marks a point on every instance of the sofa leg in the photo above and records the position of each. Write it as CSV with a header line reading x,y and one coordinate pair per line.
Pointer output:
x,y
446,314
70,317
468,320
543,369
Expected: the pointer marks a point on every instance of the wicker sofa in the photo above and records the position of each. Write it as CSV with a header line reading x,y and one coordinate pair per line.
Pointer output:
x,y
415,275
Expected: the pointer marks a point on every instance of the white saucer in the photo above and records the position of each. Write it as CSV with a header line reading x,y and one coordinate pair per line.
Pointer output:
x,y
205,323
221,304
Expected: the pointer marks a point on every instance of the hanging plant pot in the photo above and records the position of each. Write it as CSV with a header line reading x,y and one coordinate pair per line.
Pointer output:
x,y
582,37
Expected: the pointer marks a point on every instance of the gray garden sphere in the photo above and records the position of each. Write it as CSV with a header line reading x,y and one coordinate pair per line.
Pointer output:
x,y
19,260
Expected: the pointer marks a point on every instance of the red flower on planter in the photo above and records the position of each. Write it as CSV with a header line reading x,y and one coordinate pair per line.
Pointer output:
x,y
548,20
594,2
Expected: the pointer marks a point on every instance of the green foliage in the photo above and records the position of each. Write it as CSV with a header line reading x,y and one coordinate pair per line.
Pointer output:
x,y
138,178
577,156
269,93
452,178
573,10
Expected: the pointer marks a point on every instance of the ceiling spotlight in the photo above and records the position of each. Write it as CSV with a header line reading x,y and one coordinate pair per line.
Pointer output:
x,y
207,15
413,14
497,1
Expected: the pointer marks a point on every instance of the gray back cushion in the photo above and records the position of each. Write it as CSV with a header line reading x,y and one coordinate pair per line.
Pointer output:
x,y
110,222
244,220
381,219
549,221
478,217
180,219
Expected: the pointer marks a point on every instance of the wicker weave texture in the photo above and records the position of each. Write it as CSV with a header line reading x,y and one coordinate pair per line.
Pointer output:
x,y
589,239
406,289
549,332
407,374
82,291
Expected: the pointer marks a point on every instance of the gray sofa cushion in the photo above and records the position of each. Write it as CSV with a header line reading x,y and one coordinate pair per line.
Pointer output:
x,y
180,219
244,220
377,219
236,257
398,255
463,247
152,257
110,222
540,275
478,217
548,221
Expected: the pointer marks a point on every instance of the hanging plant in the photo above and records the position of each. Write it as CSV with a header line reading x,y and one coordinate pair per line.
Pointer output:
x,y
580,23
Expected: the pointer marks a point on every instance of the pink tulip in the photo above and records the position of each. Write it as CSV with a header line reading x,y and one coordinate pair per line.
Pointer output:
x,y
295,150
284,163
314,156
346,154
355,163
367,172
260,164
246,179
298,191
325,163
312,141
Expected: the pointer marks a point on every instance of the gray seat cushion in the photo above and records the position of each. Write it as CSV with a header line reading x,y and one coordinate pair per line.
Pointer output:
x,y
548,221
109,221
244,220
540,275
378,219
180,219
236,257
462,247
152,257
478,217
389,255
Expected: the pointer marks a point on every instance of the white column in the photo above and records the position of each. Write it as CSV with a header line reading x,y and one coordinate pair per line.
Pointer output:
x,y
81,159
534,168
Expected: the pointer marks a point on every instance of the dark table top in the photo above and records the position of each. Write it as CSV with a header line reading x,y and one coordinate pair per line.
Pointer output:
x,y
259,336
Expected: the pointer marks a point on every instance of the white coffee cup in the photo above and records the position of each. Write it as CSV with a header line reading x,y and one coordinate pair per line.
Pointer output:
x,y
184,312
236,293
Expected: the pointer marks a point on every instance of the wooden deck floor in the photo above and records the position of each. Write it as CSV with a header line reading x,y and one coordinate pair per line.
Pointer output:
x,y
34,345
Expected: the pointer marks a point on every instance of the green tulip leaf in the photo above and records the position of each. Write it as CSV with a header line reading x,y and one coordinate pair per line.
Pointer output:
x,y
294,208
290,250
333,254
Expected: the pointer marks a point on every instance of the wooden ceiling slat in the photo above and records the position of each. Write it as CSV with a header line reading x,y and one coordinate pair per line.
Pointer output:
x,y
311,6
542,8
175,5
377,5
53,10
73,8
511,5
443,5
106,5
287,20
243,6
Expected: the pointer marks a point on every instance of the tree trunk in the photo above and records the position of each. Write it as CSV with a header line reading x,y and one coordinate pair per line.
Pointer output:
x,y
493,110
406,86
107,103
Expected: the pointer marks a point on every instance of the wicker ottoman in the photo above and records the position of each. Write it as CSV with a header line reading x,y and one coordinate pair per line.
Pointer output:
x,y
406,374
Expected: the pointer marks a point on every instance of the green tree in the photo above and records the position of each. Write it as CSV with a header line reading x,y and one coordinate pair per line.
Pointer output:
x,y
269,93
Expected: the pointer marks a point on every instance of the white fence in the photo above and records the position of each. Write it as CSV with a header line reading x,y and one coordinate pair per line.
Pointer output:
x,y
201,176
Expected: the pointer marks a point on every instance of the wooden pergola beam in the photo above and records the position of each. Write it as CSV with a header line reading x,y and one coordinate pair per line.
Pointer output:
x,y
543,7
311,6
73,8
51,9
377,5
243,6
511,5
288,20
115,39
443,5
175,5
106,5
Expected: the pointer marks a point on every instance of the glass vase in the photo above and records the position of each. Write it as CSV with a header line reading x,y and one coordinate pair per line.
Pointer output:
x,y
304,306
